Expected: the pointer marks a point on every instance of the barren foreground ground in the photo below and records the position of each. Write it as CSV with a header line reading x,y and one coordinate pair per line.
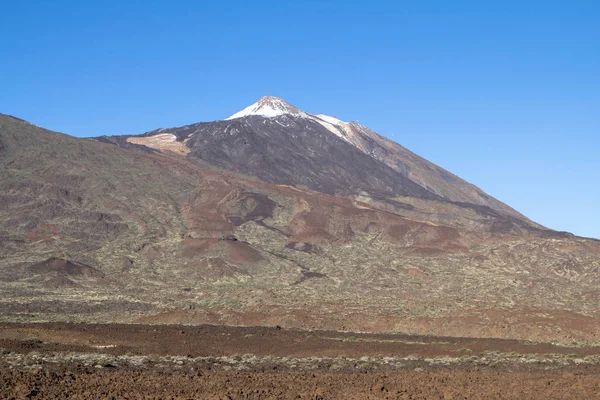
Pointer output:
x,y
215,362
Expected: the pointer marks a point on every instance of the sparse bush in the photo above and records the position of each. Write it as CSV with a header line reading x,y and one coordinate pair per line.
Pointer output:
x,y
32,340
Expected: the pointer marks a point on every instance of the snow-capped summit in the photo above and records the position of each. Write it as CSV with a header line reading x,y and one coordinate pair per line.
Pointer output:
x,y
268,106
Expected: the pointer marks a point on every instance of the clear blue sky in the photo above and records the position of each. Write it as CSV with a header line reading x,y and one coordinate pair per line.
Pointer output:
x,y
506,95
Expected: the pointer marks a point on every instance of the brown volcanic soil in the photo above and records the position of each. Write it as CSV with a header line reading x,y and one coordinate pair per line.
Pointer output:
x,y
87,383
217,362
96,233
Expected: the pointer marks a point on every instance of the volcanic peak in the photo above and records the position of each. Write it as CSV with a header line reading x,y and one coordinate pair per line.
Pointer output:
x,y
268,106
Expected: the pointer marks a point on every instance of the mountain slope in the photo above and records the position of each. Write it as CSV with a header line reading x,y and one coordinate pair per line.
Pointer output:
x,y
95,232
291,150
419,170
65,197
280,143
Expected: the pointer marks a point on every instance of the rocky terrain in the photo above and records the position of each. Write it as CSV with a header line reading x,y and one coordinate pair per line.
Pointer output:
x,y
42,361
276,220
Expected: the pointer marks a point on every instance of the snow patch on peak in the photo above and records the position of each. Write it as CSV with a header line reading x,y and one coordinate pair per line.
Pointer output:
x,y
344,130
268,107
331,120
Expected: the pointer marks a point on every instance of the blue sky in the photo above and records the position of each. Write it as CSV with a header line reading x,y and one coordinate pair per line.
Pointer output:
x,y
505,94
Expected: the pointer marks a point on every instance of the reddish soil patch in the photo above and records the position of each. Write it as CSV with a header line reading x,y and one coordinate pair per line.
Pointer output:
x,y
45,232
242,252
214,340
71,379
88,383
278,380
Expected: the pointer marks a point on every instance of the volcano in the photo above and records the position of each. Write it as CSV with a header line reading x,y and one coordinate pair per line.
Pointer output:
x,y
276,216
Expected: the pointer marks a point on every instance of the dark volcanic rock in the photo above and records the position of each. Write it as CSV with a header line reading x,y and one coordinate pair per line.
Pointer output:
x,y
294,151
